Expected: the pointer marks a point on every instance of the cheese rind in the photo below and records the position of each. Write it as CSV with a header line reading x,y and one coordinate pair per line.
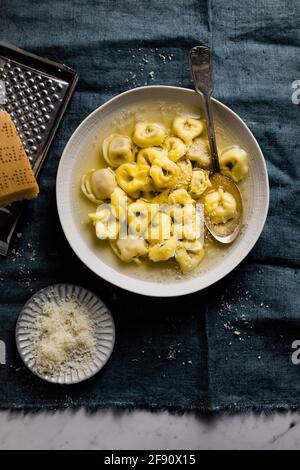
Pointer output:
x,y
17,181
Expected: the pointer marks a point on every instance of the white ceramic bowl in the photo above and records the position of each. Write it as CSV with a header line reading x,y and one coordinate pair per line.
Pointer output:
x,y
99,314
256,193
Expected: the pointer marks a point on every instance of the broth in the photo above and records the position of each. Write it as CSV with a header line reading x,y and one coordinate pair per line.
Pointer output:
x,y
91,157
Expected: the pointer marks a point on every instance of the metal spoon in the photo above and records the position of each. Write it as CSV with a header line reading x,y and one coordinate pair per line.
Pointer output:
x,y
202,71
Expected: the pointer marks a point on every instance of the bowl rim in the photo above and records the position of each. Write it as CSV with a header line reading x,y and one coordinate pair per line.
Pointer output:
x,y
146,287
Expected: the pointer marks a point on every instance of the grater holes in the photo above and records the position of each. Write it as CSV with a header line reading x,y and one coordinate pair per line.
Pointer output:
x,y
31,100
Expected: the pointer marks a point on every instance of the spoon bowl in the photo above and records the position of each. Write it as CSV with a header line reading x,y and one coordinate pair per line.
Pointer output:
x,y
226,233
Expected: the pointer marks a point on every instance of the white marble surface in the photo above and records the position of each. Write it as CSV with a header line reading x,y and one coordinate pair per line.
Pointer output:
x,y
111,430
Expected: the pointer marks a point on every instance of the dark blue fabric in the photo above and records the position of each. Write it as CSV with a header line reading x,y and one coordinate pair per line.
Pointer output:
x,y
229,347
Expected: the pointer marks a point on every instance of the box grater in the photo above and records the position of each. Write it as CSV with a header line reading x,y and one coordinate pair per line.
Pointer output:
x,y
35,92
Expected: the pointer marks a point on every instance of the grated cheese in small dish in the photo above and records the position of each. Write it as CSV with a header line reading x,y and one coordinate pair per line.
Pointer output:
x,y
63,337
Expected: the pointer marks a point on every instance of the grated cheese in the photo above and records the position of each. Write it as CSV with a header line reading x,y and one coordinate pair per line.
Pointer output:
x,y
63,338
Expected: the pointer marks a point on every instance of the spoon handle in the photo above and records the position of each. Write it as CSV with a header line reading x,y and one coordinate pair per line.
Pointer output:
x,y
202,72
211,134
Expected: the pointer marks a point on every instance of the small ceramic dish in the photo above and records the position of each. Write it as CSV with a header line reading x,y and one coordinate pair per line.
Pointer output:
x,y
255,193
104,331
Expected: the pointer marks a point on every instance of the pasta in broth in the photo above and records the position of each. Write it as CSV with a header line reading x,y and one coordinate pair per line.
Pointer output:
x,y
160,162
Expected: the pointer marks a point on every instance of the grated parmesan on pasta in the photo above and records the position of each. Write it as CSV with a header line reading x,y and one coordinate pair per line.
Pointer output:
x,y
63,337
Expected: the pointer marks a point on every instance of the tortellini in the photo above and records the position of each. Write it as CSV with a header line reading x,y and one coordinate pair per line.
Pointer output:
x,y
186,222
160,228
132,178
180,196
188,260
200,183
130,249
185,176
163,251
105,220
156,190
139,214
147,156
187,128
220,206
194,246
120,201
98,185
149,134
234,164
118,149
176,148
164,173
199,152
161,198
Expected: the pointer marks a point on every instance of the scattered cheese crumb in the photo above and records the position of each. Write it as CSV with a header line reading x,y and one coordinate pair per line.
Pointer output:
x,y
163,57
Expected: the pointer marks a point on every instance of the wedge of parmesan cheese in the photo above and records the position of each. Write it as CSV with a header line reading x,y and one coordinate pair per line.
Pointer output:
x,y
17,181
